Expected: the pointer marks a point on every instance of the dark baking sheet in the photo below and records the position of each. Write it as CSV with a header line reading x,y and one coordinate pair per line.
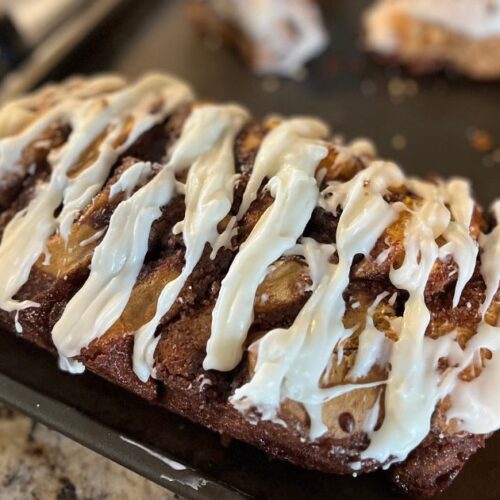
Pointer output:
x,y
349,91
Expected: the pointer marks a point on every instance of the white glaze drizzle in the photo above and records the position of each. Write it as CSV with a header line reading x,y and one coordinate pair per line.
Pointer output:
x,y
19,113
128,180
69,365
411,390
119,258
96,236
271,155
208,197
26,235
373,346
475,405
115,265
372,416
288,157
456,195
290,362
415,386
133,103
460,244
476,19
490,258
358,149
224,238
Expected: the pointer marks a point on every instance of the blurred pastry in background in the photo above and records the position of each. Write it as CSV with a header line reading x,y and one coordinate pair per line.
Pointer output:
x,y
275,37
432,35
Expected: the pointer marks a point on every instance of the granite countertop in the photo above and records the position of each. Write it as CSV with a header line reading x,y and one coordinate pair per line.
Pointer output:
x,y
38,463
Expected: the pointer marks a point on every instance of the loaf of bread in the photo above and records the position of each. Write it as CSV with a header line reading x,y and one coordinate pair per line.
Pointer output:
x,y
254,276
428,35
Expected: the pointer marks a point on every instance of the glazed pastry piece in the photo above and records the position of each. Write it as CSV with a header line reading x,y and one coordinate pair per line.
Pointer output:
x,y
275,37
426,35
289,291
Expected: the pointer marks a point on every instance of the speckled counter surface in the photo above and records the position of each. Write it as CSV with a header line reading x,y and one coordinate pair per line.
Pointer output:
x,y
37,463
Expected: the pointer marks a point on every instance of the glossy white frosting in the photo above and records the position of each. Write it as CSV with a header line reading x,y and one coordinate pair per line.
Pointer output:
x,y
25,236
115,265
490,258
209,138
288,157
290,362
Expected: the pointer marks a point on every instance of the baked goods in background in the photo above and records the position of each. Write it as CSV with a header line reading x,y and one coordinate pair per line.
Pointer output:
x,y
289,291
275,37
430,35
424,36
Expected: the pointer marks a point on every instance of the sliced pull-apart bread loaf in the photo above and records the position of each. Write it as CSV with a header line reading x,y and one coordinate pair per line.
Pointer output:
x,y
289,291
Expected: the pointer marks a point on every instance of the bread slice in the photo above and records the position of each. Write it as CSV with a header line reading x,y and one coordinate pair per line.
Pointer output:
x,y
428,36
255,277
